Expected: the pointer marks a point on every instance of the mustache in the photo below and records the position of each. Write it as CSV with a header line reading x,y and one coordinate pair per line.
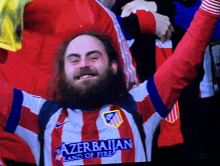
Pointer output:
x,y
85,71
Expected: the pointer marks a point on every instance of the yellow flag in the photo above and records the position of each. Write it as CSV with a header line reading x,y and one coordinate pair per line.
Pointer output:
x,y
11,23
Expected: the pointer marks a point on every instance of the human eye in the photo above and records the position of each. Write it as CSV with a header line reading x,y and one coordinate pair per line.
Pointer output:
x,y
74,60
94,56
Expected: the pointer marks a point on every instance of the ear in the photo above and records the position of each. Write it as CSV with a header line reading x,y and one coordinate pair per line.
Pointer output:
x,y
114,66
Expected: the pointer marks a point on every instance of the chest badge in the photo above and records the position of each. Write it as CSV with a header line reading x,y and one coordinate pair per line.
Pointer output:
x,y
112,118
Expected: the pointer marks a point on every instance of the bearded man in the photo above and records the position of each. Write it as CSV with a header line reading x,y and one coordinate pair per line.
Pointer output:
x,y
90,77
96,122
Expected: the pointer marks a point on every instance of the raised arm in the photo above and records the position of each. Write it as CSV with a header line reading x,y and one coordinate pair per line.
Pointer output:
x,y
181,68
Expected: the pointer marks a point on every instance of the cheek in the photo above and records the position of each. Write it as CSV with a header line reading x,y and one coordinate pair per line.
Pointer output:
x,y
102,65
68,70
102,69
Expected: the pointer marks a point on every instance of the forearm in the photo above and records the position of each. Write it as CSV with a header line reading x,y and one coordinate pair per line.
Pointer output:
x,y
148,21
163,7
138,22
181,68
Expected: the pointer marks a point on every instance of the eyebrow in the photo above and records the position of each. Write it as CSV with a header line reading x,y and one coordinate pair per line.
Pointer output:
x,y
72,55
92,52
87,54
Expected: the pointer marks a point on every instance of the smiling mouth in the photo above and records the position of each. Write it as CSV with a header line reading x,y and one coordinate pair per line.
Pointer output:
x,y
87,76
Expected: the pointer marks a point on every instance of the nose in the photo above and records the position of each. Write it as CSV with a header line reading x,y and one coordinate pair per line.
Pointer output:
x,y
84,63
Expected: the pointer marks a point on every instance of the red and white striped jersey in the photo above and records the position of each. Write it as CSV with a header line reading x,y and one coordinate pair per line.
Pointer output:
x,y
109,134
77,137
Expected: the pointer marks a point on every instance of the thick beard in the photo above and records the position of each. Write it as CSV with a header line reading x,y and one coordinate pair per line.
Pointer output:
x,y
103,92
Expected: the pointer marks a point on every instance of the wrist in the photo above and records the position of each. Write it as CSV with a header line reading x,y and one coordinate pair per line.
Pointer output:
x,y
211,6
147,22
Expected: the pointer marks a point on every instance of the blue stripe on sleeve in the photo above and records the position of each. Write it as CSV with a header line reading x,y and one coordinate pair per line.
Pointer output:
x,y
156,99
15,113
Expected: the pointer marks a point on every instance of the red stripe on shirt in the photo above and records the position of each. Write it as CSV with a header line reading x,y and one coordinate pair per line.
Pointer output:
x,y
90,132
56,136
125,131
29,120
146,107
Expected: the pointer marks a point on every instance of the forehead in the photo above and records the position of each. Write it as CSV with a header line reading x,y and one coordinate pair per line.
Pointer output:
x,y
83,44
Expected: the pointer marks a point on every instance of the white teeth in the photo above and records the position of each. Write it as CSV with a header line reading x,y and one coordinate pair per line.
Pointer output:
x,y
85,76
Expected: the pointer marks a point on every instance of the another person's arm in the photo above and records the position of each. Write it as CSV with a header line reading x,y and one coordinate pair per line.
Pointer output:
x,y
139,17
181,68
165,87
141,21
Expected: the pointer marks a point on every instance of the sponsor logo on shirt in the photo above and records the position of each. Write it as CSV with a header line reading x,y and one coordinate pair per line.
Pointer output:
x,y
58,125
112,118
91,149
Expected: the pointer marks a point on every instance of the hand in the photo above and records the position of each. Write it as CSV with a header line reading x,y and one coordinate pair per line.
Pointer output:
x,y
127,9
164,29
